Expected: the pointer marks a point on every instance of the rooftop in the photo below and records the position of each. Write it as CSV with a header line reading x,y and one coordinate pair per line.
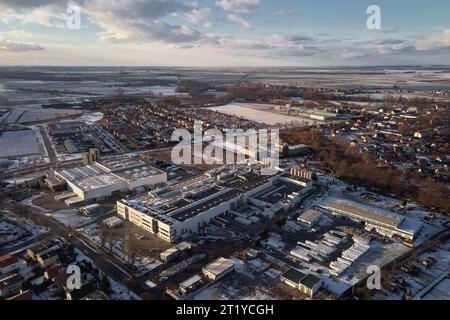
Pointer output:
x,y
10,280
308,280
109,171
309,216
219,265
7,260
203,206
293,275
191,281
278,191
363,211
120,163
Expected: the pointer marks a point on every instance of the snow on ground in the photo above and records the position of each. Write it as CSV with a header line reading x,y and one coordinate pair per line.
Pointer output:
x,y
20,228
143,264
90,117
118,290
273,273
257,112
69,217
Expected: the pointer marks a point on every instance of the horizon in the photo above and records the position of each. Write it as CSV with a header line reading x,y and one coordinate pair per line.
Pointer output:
x,y
236,66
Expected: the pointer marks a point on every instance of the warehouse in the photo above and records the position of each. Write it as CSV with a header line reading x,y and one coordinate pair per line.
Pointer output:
x,y
191,284
169,254
309,218
305,283
101,179
218,268
383,221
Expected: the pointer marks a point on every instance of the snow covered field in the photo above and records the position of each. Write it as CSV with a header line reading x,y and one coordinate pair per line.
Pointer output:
x,y
259,113
31,114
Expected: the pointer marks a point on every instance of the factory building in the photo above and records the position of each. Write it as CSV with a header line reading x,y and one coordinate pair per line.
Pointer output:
x,y
381,220
175,212
103,178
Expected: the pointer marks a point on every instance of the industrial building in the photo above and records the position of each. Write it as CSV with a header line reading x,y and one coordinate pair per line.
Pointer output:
x,y
191,284
381,220
113,222
175,212
218,268
309,218
109,175
305,283
169,254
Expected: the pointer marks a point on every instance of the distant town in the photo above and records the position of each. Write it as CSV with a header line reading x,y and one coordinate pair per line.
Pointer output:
x,y
94,207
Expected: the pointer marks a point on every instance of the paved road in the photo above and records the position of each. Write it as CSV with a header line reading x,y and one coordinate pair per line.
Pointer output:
x,y
111,266
48,145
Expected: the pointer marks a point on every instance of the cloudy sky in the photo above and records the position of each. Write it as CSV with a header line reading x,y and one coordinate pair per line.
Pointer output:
x,y
224,33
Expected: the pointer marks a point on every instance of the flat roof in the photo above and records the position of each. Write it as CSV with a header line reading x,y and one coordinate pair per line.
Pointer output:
x,y
119,163
108,172
138,173
308,280
203,206
309,215
278,191
219,265
248,181
185,200
191,281
363,211
10,280
293,275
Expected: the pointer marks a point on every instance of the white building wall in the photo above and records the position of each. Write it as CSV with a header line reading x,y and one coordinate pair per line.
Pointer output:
x,y
148,181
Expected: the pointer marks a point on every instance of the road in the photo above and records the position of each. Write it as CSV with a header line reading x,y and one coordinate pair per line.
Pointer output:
x,y
113,267
48,145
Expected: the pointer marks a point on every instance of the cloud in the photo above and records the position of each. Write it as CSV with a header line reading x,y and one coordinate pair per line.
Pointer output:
x,y
237,19
137,21
30,4
286,13
236,10
6,45
271,46
173,24
198,14
237,6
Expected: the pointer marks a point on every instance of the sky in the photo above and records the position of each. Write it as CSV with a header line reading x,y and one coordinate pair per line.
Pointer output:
x,y
207,33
